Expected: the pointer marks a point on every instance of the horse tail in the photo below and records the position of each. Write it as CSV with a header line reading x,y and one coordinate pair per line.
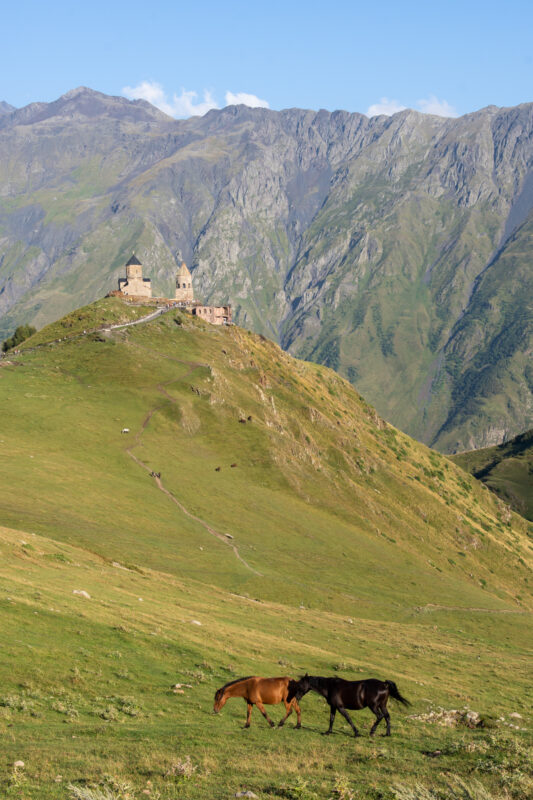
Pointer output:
x,y
394,692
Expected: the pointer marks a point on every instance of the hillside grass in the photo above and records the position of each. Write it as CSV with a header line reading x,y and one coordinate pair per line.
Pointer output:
x,y
109,310
359,552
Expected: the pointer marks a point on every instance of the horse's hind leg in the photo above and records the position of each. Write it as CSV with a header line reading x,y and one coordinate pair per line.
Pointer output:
x,y
261,708
379,716
348,719
387,719
249,715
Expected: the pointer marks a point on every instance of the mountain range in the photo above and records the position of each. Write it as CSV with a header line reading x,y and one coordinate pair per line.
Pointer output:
x,y
396,250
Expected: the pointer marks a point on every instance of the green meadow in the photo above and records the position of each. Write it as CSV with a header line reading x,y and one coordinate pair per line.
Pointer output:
x,y
291,530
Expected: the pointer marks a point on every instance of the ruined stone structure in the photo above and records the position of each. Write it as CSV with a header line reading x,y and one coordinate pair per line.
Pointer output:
x,y
184,290
216,315
134,284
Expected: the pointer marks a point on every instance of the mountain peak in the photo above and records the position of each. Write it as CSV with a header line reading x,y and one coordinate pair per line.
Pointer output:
x,y
6,108
85,103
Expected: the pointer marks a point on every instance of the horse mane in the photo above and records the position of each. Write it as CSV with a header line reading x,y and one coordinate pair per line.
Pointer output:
x,y
232,683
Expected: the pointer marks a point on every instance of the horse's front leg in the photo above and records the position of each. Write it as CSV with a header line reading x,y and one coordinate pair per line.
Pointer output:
x,y
288,709
261,708
332,712
348,719
249,714
298,713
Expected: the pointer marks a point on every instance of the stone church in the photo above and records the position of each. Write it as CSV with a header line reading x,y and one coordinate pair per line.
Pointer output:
x,y
134,284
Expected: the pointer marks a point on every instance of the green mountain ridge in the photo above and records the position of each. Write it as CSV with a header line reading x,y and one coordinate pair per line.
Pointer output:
x,y
394,249
507,470
258,517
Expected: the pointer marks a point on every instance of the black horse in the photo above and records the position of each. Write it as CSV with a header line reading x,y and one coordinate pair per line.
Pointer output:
x,y
341,694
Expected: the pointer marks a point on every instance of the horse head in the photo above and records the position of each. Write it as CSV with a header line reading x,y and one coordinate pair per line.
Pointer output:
x,y
220,700
297,689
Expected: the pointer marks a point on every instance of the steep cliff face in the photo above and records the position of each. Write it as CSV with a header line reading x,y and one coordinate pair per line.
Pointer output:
x,y
394,249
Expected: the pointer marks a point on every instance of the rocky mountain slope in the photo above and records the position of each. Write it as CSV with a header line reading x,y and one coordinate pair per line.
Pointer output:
x,y
394,249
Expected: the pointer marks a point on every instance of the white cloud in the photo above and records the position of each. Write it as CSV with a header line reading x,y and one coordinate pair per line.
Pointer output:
x,y
441,108
183,105
385,106
430,105
242,98
187,104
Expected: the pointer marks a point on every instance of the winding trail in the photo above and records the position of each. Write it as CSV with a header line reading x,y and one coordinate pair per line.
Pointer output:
x,y
434,607
129,450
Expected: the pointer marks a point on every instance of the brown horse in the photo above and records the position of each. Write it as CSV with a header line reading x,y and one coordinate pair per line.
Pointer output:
x,y
257,692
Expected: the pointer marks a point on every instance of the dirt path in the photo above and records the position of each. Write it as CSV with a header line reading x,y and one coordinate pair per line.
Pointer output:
x,y
129,450
433,607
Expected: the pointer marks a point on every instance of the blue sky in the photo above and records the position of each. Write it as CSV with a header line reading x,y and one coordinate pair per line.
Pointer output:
x,y
448,57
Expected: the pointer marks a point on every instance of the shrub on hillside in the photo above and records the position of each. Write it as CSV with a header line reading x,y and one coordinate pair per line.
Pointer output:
x,y
23,332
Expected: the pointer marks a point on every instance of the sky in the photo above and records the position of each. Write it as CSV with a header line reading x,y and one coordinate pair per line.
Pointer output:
x,y
448,58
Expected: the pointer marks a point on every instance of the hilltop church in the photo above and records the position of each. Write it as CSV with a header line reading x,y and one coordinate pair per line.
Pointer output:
x,y
134,285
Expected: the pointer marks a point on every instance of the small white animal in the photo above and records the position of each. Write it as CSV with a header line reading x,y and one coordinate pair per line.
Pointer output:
x,y
125,430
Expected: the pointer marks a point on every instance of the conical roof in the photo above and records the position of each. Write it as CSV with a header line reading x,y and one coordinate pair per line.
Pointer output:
x,y
134,261
183,270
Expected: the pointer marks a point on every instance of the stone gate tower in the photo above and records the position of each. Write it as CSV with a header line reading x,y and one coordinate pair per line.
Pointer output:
x,y
184,290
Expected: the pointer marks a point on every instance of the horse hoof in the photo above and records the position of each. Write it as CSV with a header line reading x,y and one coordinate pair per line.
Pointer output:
x,y
326,733
297,727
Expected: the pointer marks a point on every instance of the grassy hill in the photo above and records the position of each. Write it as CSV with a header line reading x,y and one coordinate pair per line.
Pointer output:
x,y
506,469
302,533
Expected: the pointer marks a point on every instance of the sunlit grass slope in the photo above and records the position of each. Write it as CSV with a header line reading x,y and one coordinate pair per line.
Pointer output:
x,y
334,544
109,310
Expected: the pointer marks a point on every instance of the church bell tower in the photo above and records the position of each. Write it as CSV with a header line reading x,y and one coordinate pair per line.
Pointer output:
x,y
184,290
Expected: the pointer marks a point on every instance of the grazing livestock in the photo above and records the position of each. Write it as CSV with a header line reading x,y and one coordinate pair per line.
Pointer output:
x,y
217,469
233,465
341,695
125,430
259,692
